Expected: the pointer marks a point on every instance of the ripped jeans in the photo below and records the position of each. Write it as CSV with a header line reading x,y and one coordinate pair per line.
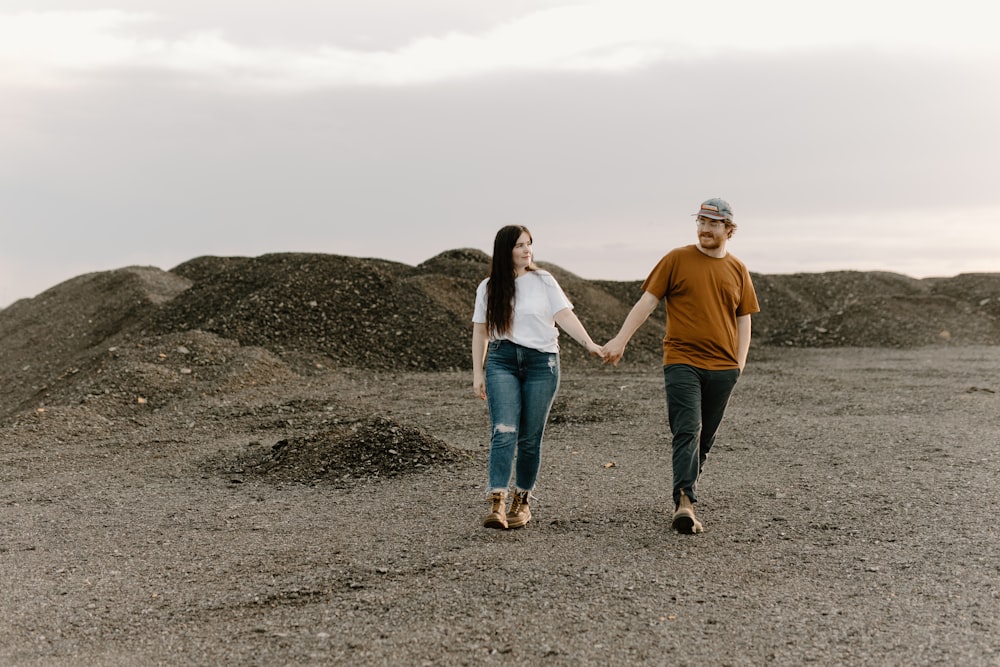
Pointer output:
x,y
521,384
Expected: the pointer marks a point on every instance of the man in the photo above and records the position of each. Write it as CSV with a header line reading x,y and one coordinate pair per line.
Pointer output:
x,y
709,299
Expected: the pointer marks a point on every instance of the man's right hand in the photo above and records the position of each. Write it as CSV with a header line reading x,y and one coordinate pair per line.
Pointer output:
x,y
614,350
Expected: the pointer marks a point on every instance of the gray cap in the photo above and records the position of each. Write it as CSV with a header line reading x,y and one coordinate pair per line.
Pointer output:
x,y
716,209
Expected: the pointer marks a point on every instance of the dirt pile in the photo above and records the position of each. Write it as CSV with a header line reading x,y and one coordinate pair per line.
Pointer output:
x,y
369,449
212,325
876,309
358,312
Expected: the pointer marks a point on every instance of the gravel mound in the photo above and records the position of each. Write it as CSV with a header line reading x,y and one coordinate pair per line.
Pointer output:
x,y
876,309
116,339
50,339
357,312
366,449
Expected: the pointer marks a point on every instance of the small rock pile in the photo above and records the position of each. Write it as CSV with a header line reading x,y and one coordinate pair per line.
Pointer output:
x,y
367,449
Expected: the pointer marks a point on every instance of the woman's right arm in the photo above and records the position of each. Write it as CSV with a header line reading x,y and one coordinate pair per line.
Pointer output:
x,y
479,340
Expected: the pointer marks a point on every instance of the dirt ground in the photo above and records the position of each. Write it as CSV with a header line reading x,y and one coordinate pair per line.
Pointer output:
x,y
333,517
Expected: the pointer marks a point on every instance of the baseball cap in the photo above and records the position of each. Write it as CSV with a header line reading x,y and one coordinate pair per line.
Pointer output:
x,y
716,209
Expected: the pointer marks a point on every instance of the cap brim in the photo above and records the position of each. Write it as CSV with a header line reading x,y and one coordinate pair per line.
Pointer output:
x,y
712,214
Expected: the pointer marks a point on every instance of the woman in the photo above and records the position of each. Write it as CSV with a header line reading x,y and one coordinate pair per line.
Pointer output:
x,y
515,367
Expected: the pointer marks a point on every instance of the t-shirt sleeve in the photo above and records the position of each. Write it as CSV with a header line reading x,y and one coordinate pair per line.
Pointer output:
x,y
479,311
658,281
557,298
748,300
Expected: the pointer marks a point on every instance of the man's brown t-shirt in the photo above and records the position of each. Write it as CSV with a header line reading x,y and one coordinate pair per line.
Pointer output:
x,y
704,297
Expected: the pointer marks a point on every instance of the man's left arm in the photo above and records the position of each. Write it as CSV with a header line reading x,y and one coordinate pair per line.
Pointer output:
x,y
742,340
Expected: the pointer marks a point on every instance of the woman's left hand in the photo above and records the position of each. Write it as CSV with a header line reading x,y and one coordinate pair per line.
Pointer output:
x,y
479,389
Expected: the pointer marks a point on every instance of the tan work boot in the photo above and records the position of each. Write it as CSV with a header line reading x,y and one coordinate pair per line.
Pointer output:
x,y
497,518
684,519
519,513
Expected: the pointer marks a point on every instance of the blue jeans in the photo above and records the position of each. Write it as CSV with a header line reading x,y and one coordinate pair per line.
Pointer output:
x,y
521,384
696,402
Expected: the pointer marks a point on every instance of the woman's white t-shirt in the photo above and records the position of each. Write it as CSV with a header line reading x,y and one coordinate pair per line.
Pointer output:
x,y
537,298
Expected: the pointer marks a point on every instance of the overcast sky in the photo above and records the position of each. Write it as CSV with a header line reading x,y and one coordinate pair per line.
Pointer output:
x,y
850,135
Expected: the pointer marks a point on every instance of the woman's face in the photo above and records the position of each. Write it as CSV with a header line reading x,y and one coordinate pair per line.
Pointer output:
x,y
521,254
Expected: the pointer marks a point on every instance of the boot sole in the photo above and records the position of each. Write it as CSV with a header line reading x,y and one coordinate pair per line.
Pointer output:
x,y
683,524
517,524
499,524
686,524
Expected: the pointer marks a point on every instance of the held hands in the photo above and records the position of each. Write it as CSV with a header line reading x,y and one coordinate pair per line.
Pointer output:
x,y
611,353
614,350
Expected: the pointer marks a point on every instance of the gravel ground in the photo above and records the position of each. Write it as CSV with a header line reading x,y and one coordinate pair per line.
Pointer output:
x,y
849,507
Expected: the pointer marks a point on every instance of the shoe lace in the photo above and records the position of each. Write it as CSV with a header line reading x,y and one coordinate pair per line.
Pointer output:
x,y
518,500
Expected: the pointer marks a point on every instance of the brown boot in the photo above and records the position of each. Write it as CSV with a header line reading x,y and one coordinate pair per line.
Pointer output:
x,y
684,519
497,518
519,513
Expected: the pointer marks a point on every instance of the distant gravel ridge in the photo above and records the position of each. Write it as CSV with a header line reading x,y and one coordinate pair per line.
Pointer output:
x,y
94,336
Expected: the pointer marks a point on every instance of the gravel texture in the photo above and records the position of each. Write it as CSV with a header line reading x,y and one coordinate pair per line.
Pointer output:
x,y
278,460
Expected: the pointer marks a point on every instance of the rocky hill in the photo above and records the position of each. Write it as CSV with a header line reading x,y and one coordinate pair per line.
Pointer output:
x,y
212,324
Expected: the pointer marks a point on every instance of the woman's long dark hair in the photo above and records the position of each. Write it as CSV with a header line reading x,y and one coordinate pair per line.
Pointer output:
x,y
500,288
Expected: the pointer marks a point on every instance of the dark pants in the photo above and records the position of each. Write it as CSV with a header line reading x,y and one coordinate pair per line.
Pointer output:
x,y
696,402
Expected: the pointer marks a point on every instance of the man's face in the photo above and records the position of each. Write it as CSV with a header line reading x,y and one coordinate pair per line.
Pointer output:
x,y
712,234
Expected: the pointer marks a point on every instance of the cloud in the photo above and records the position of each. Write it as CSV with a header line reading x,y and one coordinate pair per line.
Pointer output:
x,y
65,47
156,137
49,48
